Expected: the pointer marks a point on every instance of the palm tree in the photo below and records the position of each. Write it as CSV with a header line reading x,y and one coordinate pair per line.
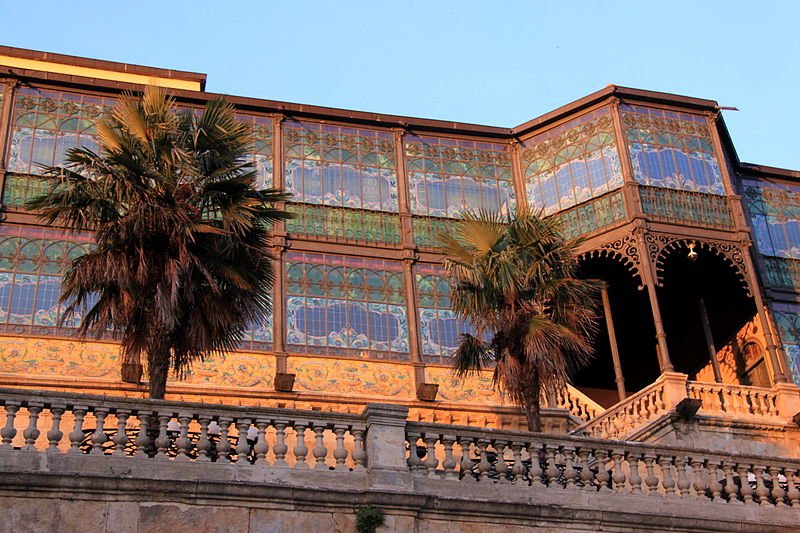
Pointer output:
x,y
181,266
514,281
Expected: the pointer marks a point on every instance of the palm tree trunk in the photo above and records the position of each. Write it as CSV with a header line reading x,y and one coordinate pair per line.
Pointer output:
x,y
158,370
532,400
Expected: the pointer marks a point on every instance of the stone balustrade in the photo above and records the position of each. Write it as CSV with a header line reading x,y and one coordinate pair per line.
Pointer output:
x,y
462,454
735,400
577,403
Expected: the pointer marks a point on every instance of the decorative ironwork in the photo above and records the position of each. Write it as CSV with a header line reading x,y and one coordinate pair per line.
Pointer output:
x,y
427,229
19,188
591,216
693,208
624,249
340,224
782,273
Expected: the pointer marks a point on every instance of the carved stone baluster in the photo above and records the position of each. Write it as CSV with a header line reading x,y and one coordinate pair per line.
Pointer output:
x,y
535,453
745,489
340,452
242,446
778,494
635,478
552,470
31,433
699,483
570,474
359,453
651,480
260,448
713,482
183,443
484,466
300,449
587,476
414,461
731,490
99,436
762,492
502,466
9,431
143,439
223,444
466,462
618,478
203,443
55,434
449,463
667,481
518,469
684,486
121,436
280,449
793,492
602,471
76,435
162,441
320,451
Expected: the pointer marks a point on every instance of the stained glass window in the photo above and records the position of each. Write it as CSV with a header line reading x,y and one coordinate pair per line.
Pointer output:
x,y
448,176
440,328
591,216
787,321
341,224
671,150
32,262
338,166
572,163
775,216
347,306
263,141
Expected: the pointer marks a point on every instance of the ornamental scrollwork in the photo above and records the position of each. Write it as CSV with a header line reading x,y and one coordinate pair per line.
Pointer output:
x,y
624,249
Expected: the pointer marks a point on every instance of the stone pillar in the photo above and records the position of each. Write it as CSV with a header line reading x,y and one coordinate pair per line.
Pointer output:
x,y
612,339
674,389
788,400
386,446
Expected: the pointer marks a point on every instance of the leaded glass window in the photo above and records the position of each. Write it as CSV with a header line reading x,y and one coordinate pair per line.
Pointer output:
x,y
339,305
572,163
787,321
32,263
440,328
263,141
448,176
775,215
671,150
48,123
338,166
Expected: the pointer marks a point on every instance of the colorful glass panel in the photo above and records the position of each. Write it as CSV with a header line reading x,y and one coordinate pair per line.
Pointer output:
x,y
592,216
672,150
775,217
427,230
787,321
334,223
697,209
338,166
572,163
339,305
263,141
440,329
448,176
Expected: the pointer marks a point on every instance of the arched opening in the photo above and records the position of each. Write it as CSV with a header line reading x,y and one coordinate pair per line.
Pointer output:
x,y
709,285
635,333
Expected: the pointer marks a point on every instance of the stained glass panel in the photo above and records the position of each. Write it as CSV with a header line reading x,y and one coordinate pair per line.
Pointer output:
x,y
448,176
338,166
787,321
426,230
672,150
342,224
440,328
263,142
697,209
591,216
775,217
339,305
572,163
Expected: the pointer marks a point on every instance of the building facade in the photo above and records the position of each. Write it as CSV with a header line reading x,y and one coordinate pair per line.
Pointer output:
x,y
701,251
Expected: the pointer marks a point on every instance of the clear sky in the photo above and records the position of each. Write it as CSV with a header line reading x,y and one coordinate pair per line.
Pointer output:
x,y
487,62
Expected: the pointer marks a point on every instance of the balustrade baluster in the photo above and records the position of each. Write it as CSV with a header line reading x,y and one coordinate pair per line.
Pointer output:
x,y
712,468
570,474
466,461
55,434
745,489
793,492
449,464
280,449
518,469
635,477
618,477
778,494
414,461
340,453
183,442
99,436
651,480
9,431
762,492
31,433
699,483
684,486
320,451
242,446
203,442
76,435
223,444
501,467
359,453
143,439
120,438
260,448
484,466
667,481
587,476
163,441
300,449
731,490
602,471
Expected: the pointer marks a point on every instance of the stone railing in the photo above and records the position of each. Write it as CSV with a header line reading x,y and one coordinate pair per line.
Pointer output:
x,y
734,400
578,404
464,455
64,423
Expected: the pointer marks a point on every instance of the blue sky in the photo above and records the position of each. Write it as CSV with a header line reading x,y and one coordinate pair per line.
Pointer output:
x,y
495,63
